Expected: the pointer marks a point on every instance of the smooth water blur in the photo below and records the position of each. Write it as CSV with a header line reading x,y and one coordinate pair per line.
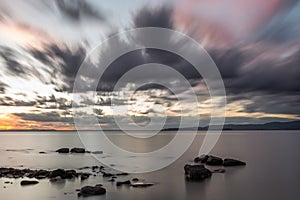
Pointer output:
x,y
272,170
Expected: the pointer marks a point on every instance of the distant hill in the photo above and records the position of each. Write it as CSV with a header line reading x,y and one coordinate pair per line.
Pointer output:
x,y
294,125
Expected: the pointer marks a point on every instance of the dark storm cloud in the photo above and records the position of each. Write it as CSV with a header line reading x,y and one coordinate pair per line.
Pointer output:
x,y
44,117
8,101
68,62
53,102
2,87
9,56
266,75
154,17
76,9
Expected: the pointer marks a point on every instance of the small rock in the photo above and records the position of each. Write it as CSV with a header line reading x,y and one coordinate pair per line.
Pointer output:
x,y
42,152
122,174
56,179
119,183
219,171
141,184
91,191
77,150
58,172
84,176
97,152
6,182
228,162
214,161
28,182
196,172
63,150
201,159
135,179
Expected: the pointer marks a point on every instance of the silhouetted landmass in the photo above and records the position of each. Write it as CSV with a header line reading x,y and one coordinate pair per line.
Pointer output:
x,y
294,125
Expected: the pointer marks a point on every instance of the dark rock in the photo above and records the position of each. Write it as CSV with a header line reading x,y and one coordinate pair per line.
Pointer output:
x,y
71,174
28,182
42,152
135,179
41,174
78,150
196,172
58,172
219,171
201,159
91,191
105,174
228,162
63,150
97,152
214,161
141,184
84,176
6,182
119,183
122,174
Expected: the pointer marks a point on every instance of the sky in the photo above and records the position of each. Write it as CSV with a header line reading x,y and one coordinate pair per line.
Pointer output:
x,y
255,45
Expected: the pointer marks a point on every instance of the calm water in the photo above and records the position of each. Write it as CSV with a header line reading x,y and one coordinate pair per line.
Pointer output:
x,y
272,171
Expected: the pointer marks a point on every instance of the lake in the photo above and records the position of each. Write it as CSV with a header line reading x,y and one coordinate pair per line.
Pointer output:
x,y
272,171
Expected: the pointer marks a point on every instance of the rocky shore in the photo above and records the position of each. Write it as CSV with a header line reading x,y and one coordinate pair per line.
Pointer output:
x,y
199,171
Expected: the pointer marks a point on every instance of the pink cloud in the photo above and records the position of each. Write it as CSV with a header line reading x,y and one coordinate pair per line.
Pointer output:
x,y
222,22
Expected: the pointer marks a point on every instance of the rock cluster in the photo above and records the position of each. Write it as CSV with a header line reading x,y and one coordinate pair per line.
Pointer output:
x,y
216,161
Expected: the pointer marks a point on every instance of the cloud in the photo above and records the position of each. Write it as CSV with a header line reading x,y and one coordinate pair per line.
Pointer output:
x,y
45,117
154,17
76,10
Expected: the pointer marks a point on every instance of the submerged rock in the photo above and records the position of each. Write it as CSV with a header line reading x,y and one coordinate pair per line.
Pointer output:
x,y
219,170
196,172
228,162
201,159
141,184
63,150
77,150
119,183
29,182
214,161
91,191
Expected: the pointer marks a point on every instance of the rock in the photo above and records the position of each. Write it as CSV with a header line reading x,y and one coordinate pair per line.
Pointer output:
x,y
58,172
71,174
228,162
141,184
63,150
119,183
78,150
219,171
214,161
122,174
97,152
28,182
41,174
6,182
56,179
84,176
135,179
91,191
196,172
111,180
201,159
42,152
105,174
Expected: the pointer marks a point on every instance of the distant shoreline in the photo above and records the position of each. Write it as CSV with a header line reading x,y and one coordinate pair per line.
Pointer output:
x,y
293,125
